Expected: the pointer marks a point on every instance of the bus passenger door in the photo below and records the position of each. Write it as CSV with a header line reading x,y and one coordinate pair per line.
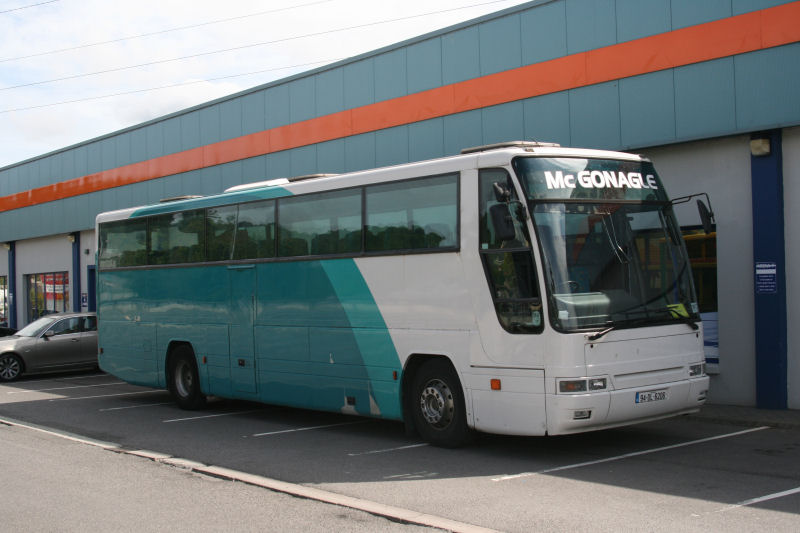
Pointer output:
x,y
242,292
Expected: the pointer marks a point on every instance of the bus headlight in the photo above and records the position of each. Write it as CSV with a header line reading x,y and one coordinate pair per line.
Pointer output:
x,y
697,370
582,385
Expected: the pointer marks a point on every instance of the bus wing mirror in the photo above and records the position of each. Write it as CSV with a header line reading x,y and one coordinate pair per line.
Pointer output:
x,y
501,193
706,216
502,222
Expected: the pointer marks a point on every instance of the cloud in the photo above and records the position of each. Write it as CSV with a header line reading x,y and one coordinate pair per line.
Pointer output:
x,y
25,134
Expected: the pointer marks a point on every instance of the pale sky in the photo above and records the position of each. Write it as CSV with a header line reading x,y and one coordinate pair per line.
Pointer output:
x,y
273,37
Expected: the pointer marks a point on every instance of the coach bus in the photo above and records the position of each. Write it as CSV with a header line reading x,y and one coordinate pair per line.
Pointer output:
x,y
521,288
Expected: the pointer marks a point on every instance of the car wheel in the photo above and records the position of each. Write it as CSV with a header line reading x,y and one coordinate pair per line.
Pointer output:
x,y
10,367
437,405
184,383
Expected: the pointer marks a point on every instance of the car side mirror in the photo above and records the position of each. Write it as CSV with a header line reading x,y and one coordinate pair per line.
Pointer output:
x,y
49,333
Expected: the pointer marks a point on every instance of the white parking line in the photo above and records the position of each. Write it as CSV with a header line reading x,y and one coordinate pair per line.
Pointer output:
x,y
628,455
210,416
760,499
134,406
66,388
389,449
308,428
71,378
105,396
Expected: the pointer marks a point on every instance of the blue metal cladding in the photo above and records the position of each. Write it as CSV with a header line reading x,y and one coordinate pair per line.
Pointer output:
x,y
647,109
460,55
641,18
770,294
709,108
745,93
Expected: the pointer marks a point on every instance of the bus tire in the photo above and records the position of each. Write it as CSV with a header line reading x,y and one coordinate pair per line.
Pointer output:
x,y
184,381
10,367
437,405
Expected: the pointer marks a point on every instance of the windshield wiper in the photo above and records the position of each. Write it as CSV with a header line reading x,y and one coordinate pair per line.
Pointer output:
x,y
645,320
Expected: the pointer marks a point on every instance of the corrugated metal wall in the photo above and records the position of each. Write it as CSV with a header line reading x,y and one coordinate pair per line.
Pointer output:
x,y
724,96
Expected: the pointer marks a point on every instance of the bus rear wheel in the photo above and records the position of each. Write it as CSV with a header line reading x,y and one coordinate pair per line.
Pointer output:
x,y
184,382
437,405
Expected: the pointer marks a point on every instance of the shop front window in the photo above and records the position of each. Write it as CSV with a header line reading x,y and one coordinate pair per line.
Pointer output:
x,y
47,294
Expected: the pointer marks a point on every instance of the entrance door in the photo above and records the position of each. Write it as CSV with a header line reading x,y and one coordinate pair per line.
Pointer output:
x,y
242,282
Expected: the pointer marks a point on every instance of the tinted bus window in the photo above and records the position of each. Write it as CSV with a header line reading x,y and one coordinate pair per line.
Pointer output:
x,y
177,238
123,243
412,215
220,225
255,231
320,224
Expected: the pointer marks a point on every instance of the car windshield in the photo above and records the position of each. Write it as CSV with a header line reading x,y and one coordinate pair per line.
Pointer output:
x,y
613,255
35,328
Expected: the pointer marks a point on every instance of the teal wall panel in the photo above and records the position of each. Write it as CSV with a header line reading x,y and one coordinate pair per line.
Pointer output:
x,y
426,139
277,103
391,146
501,47
690,12
171,130
206,181
390,75
279,165
94,161
705,99
330,92
424,65
462,130
746,6
190,130
330,157
302,97
68,165
544,33
547,118
124,197
359,84
359,152
504,122
123,150
254,169
210,131
594,116
230,175
460,55
642,18
155,141
304,160
81,160
590,24
108,153
253,112
138,145
647,109
767,87
230,118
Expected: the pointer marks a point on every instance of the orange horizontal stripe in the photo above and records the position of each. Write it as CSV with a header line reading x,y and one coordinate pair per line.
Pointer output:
x,y
758,30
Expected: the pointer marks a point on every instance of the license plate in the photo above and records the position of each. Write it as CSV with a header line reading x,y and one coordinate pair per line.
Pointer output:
x,y
651,396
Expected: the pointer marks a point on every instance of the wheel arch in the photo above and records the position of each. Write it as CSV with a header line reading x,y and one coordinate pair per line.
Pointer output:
x,y
412,365
19,358
172,347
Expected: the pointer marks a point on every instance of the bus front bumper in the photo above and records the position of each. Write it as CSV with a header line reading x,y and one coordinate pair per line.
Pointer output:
x,y
575,413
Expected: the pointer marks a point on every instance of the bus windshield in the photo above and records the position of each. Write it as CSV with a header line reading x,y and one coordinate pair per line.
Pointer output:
x,y
613,255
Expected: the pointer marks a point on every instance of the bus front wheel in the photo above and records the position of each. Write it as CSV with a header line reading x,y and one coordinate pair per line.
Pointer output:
x,y
437,405
184,383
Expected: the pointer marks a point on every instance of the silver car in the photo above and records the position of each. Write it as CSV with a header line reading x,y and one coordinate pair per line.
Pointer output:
x,y
64,341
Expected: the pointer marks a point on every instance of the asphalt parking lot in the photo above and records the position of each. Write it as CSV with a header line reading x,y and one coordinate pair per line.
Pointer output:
x,y
700,473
